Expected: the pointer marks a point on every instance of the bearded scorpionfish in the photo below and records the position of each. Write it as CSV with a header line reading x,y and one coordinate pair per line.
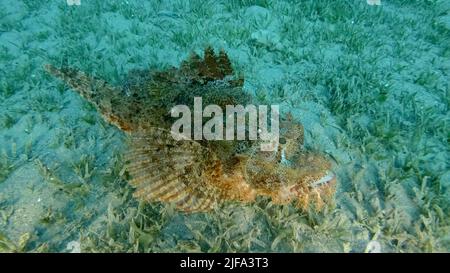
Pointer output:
x,y
201,175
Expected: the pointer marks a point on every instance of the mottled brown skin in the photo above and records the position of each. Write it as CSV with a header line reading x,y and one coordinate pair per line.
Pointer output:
x,y
200,175
148,95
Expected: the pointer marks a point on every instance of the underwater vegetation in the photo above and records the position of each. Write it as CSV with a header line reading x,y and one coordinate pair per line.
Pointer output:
x,y
369,85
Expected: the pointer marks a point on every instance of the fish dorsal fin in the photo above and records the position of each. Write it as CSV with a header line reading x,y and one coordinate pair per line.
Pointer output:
x,y
180,172
212,67
224,63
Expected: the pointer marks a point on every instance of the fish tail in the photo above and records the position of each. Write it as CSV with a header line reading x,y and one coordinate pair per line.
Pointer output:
x,y
98,92
87,86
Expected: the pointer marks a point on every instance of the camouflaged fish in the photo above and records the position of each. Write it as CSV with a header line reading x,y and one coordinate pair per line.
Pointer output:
x,y
201,175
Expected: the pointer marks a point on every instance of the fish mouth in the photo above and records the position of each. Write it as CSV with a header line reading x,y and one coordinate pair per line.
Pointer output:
x,y
328,178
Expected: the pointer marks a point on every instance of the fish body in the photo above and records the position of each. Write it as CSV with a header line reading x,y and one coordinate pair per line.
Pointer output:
x,y
201,175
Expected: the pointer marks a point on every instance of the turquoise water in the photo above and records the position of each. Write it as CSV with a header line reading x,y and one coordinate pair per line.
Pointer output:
x,y
370,85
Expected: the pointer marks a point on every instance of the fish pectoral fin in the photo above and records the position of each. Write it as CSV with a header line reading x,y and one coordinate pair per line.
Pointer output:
x,y
165,170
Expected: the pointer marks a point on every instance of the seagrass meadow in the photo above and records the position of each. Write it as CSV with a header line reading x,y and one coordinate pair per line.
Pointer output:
x,y
369,84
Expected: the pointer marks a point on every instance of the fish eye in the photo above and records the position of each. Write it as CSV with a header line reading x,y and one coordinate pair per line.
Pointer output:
x,y
282,140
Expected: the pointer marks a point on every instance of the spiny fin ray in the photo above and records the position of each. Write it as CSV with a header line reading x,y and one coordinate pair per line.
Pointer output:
x,y
184,178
